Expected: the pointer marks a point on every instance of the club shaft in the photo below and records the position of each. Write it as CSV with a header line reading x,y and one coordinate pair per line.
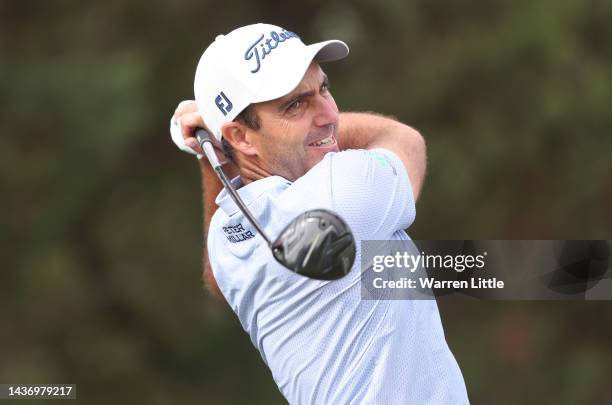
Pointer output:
x,y
206,144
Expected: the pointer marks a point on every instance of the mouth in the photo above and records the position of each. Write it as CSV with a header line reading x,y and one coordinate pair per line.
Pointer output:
x,y
326,142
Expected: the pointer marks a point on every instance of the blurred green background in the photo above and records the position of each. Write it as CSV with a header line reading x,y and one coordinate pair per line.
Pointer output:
x,y
101,232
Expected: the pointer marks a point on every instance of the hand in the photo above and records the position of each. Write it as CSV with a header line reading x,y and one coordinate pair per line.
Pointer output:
x,y
183,124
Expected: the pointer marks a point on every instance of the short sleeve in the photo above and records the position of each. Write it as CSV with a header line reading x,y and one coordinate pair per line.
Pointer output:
x,y
371,190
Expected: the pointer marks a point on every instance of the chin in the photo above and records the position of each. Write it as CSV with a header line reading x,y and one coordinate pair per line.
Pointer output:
x,y
317,156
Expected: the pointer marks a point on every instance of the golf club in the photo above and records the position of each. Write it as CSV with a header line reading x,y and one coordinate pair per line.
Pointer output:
x,y
316,244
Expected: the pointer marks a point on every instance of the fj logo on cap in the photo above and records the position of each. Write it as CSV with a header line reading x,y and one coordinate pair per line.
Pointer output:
x,y
266,47
223,103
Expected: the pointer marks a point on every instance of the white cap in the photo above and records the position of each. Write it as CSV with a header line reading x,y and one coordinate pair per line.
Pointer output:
x,y
251,64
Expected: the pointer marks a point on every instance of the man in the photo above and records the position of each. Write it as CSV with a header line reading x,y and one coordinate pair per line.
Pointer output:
x,y
262,93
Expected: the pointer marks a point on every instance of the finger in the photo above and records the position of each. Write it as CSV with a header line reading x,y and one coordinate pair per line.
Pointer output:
x,y
194,144
189,122
184,107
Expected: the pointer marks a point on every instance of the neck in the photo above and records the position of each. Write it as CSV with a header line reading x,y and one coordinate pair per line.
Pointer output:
x,y
250,170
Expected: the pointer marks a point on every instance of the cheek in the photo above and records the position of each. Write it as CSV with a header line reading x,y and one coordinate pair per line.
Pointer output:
x,y
285,147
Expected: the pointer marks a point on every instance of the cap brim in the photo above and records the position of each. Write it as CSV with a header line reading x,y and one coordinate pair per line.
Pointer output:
x,y
329,51
287,80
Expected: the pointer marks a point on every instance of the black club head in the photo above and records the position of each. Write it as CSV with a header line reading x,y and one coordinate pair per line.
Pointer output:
x,y
316,244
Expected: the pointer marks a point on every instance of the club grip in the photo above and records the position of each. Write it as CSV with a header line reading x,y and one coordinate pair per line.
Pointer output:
x,y
202,135
206,143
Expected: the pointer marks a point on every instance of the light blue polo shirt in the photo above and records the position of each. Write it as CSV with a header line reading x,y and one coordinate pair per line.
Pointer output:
x,y
321,341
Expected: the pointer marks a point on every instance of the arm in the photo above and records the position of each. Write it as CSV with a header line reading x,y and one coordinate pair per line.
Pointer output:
x,y
370,131
355,131
211,185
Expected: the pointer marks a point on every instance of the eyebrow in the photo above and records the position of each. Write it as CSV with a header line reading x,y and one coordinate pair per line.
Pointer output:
x,y
305,94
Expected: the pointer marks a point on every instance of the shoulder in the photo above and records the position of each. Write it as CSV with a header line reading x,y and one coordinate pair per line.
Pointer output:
x,y
346,165
368,188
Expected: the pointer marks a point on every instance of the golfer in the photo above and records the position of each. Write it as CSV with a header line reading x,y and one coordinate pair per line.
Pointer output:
x,y
265,98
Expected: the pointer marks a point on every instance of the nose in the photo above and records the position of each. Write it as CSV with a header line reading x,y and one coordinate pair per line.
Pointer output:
x,y
326,111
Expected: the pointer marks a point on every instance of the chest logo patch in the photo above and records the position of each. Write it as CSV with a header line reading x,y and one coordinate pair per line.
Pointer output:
x,y
237,233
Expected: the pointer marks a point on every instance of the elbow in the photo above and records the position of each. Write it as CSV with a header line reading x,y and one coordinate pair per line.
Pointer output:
x,y
418,141
414,142
422,153
418,156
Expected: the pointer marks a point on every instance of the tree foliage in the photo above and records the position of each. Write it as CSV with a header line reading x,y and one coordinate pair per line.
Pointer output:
x,y
101,237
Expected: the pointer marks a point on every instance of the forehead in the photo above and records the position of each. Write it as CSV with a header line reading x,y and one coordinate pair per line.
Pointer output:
x,y
311,80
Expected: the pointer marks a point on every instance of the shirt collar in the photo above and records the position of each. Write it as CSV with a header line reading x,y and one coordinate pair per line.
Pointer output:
x,y
250,192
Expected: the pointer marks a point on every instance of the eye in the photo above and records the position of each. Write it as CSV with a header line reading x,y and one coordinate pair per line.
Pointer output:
x,y
294,106
325,87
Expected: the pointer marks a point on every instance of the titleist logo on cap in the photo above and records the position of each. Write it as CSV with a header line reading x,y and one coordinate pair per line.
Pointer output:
x,y
266,47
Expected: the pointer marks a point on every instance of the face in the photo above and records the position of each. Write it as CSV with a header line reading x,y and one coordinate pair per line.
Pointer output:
x,y
297,130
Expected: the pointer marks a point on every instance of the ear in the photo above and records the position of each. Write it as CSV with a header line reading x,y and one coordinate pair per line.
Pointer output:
x,y
238,135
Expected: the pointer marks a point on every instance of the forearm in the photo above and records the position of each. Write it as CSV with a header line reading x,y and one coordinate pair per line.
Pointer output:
x,y
359,130
183,124
211,186
371,130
